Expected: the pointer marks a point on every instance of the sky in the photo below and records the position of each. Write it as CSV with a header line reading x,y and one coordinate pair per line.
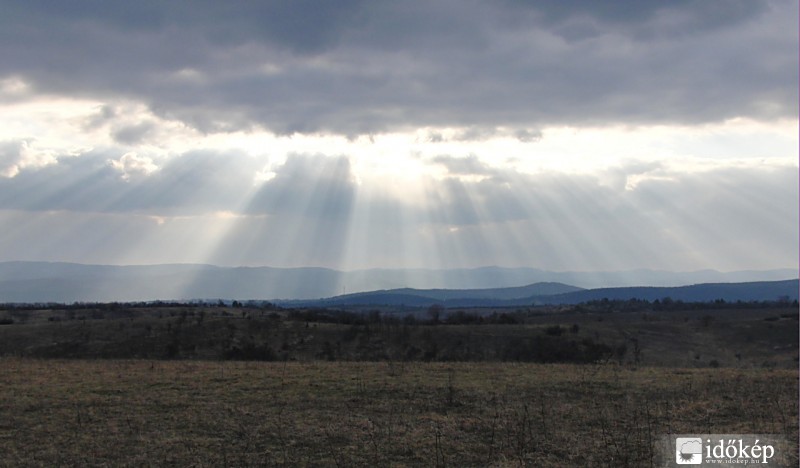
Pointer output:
x,y
562,135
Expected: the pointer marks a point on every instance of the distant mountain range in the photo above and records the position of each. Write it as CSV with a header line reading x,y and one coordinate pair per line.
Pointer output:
x,y
705,292
70,282
448,297
559,294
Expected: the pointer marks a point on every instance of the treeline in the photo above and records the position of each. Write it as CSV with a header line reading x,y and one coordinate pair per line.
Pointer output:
x,y
593,332
669,304
451,316
158,304
390,340
434,315
231,333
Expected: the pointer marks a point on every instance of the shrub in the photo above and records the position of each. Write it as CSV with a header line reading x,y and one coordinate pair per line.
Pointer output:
x,y
555,330
250,352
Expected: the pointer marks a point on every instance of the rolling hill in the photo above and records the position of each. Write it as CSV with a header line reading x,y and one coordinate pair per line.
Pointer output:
x,y
560,294
70,282
450,297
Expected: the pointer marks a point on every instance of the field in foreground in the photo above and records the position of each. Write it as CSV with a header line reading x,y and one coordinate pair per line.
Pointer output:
x,y
201,413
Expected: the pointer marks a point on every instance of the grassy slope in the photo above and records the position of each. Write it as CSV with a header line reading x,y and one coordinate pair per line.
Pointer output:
x,y
91,413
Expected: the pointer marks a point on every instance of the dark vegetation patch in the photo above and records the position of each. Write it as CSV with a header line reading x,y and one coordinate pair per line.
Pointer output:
x,y
626,332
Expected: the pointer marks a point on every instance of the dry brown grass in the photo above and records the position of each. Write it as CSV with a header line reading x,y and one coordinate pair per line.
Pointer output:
x,y
192,413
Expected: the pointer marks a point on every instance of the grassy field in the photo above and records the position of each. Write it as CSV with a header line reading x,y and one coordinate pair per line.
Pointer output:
x,y
223,413
591,385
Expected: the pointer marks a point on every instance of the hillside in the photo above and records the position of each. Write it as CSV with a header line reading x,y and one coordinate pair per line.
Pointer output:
x,y
729,292
70,282
559,294
450,297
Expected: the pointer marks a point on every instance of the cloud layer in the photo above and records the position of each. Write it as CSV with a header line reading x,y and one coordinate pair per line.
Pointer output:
x,y
314,210
566,135
360,67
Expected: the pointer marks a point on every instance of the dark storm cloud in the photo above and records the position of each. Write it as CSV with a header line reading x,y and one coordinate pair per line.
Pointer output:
x,y
359,67
300,25
132,134
696,14
527,136
104,115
